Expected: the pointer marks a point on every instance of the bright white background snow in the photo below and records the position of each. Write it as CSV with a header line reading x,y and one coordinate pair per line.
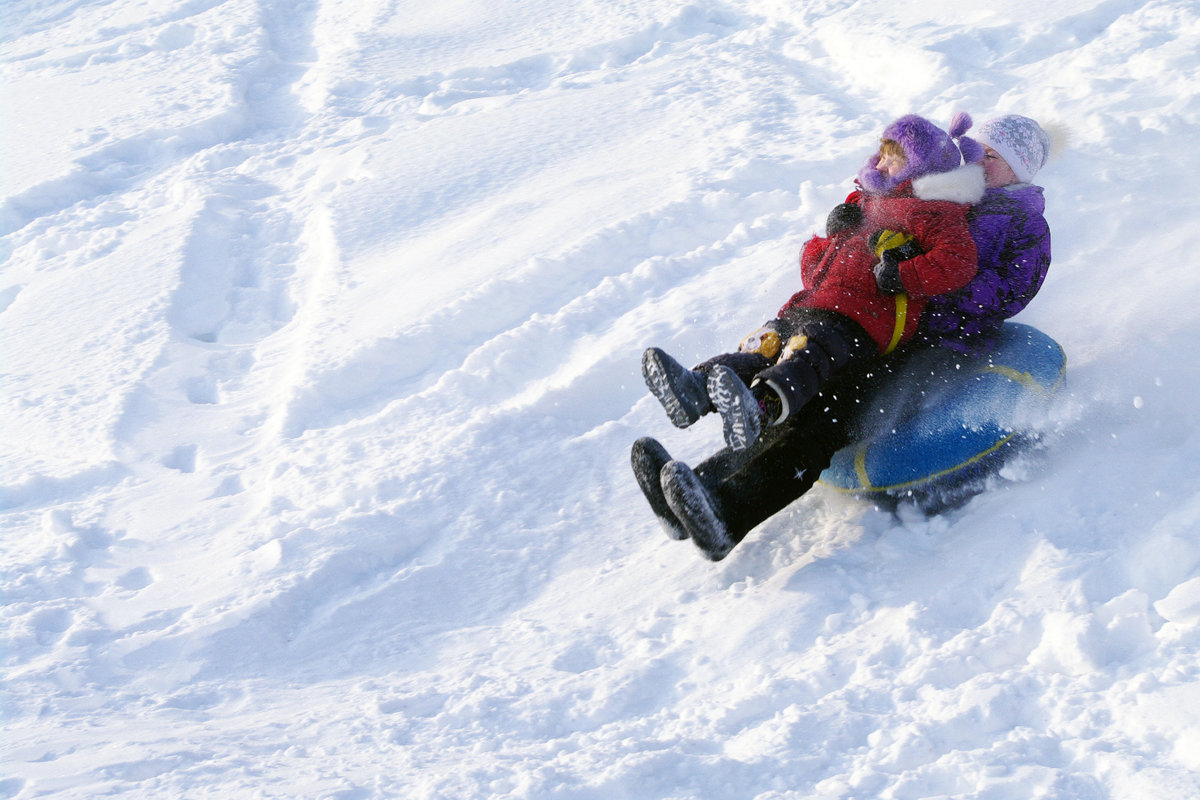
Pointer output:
x,y
321,335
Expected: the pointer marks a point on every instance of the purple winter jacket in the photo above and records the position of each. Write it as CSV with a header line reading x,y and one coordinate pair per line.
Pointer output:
x,y
1013,241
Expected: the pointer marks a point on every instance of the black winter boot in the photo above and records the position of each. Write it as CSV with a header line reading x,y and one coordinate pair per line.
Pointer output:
x,y
697,509
681,391
743,414
648,458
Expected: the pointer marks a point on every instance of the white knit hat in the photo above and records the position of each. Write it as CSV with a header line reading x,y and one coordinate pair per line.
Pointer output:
x,y
1020,141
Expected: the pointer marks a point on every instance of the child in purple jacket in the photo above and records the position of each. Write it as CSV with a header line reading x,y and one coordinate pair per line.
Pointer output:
x,y
1010,233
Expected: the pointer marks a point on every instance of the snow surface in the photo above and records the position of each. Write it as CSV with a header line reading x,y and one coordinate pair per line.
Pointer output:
x,y
321,335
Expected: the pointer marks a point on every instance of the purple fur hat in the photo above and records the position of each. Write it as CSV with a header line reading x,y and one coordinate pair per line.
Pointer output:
x,y
927,149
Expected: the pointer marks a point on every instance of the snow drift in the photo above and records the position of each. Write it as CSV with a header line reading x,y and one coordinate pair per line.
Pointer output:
x,y
321,333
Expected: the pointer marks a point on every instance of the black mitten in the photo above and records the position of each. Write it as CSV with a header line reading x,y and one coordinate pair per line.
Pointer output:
x,y
843,217
887,273
905,246
891,247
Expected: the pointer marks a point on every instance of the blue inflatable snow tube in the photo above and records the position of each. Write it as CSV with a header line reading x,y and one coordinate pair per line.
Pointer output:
x,y
956,432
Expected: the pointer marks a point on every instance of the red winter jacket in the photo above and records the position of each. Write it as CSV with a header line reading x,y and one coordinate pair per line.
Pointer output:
x,y
837,271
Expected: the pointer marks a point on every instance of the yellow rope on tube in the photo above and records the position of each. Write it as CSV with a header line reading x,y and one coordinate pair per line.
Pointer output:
x,y
901,318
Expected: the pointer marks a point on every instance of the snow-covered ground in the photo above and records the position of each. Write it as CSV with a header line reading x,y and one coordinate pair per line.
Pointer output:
x,y
321,334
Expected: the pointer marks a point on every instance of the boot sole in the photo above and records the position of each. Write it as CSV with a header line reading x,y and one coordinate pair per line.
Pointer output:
x,y
740,421
664,390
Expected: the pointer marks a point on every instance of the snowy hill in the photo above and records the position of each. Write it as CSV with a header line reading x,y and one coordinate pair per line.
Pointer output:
x,y
321,332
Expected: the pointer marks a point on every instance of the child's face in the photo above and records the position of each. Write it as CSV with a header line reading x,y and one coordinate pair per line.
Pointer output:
x,y
890,164
996,171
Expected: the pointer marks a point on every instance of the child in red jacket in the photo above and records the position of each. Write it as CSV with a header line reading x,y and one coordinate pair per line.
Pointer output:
x,y
899,239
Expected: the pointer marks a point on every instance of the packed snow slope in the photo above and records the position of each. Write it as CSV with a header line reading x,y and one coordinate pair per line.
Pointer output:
x,y
321,334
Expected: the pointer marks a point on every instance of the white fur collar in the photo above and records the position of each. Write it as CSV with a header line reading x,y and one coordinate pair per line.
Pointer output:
x,y
962,185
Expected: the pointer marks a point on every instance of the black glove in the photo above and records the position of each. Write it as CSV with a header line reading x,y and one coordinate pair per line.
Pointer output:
x,y
885,240
843,217
887,272
891,247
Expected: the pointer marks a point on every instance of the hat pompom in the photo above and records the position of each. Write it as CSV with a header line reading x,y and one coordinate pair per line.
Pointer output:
x,y
960,123
1060,138
972,151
